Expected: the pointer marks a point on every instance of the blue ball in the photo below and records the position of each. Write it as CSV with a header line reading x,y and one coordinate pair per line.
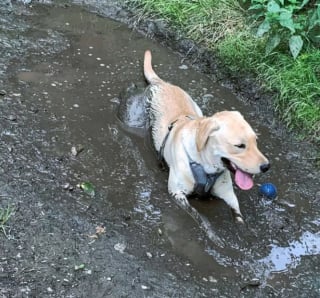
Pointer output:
x,y
268,190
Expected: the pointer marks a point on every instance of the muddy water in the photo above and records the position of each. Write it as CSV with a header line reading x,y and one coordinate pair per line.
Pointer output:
x,y
71,81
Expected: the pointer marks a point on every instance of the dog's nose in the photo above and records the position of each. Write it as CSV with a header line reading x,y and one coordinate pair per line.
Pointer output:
x,y
265,167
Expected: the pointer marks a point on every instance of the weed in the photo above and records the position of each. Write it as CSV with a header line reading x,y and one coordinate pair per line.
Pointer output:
x,y
205,21
293,22
5,214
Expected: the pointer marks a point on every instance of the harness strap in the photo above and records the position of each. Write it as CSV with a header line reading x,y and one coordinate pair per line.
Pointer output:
x,y
161,150
203,181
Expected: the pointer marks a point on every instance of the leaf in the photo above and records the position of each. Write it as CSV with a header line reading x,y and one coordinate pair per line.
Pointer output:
x,y
256,6
273,7
79,267
272,43
304,3
314,18
263,28
285,20
88,188
295,45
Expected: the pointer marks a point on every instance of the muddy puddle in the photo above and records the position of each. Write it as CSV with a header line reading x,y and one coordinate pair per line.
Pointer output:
x,y
63,72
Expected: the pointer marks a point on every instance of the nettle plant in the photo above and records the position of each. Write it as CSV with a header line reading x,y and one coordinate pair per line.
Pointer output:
x,y
290,22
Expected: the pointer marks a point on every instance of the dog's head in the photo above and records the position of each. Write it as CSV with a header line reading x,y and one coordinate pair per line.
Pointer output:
x,y
228,136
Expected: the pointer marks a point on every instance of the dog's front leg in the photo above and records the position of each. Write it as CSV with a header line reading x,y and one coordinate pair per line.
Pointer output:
x,y
223,189
182,200
201,220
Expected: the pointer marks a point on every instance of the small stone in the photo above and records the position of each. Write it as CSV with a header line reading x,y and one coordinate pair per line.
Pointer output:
x,y
149,255
183,66
75,150
160,232
120,247
3,92
11,118
66,186
212,279
317,197
49,290
143,287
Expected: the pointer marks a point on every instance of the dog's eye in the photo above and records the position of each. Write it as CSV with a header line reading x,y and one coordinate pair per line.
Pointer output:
x,y
241,146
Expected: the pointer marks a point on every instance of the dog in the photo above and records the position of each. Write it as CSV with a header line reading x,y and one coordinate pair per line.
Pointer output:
x,y
202,153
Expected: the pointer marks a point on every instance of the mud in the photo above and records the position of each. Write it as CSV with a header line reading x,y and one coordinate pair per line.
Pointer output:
x,y
63,69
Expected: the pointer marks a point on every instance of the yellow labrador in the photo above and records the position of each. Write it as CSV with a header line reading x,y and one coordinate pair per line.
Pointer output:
x,y
201,151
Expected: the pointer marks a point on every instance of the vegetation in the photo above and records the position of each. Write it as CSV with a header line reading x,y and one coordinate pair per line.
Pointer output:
x,y
5,214
291,21
276,40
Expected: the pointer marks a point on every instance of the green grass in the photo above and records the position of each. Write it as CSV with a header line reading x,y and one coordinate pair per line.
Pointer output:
x,y
5,214
203,20
222,26
296,82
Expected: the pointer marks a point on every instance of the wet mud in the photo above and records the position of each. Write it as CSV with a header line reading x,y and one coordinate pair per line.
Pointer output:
x,y
63,73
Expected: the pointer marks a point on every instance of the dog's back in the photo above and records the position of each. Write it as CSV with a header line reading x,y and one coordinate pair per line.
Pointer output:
x,y
167,103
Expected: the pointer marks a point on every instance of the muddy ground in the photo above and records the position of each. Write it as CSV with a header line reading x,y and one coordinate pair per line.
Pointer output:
x,y
62,70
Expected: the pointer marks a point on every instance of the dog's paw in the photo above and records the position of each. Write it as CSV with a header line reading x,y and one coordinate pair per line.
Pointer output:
x,y
238,219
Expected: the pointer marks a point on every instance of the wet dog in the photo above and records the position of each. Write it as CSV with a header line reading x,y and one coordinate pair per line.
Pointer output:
x,y
202,153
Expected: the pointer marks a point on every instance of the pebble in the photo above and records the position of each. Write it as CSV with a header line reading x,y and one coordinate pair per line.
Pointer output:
x,y
183,66
212,279
11,118
317,197
3,92
75,150
149,255
49,290
66,186
120,247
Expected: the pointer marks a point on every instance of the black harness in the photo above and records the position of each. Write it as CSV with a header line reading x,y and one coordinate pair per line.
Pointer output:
x,y
203,181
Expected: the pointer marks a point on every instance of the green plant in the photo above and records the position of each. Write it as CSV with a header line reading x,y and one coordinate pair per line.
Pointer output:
x,y
294,22
5,214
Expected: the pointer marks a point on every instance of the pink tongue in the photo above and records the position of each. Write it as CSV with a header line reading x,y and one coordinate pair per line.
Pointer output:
x,y
243,180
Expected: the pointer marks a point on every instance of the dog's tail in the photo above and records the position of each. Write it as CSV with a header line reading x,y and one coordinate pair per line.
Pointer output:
x,y
149,73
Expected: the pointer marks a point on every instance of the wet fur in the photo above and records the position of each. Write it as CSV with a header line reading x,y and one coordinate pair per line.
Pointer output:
x,y
205,139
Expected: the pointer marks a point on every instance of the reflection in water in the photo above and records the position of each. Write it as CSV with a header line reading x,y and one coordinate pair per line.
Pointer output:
x,y
284,258
145,207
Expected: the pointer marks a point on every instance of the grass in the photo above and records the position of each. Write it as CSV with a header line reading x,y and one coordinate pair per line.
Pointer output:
x,y
5,214
222,26
296,82
204,20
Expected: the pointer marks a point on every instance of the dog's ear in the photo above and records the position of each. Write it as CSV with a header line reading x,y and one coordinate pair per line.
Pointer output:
x,y
205,128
